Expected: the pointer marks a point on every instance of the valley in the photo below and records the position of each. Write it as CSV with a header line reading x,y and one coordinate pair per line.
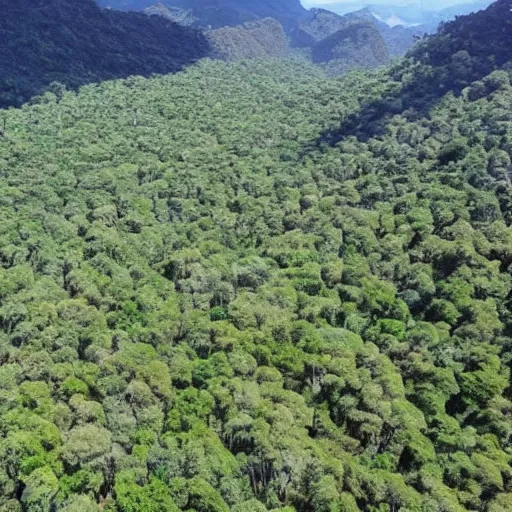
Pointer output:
x,y
234,280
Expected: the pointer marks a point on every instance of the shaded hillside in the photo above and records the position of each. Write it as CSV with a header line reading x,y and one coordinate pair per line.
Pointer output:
x,y
317,25
228,12
461,54
321,23
359,45
400,39
469,47
256,39
76,42
350,41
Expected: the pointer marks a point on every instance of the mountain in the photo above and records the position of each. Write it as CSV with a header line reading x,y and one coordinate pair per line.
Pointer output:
x,y
73,43
351,41
341,43
304,28
120,44
413,15
250,287
256,39
398,38
466,49
359,45
449,13
410,14
321,23
218,14
180,16
452,61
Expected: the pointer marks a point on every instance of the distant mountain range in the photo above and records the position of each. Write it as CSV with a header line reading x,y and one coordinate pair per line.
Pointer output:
x,y
44,39
426,14
239,29
321,23
226,12
366,40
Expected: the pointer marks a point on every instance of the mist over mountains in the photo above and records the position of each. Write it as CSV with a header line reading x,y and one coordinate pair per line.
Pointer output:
x,y
408,14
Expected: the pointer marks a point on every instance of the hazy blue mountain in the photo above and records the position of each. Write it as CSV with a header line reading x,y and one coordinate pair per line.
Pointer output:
x,y
226,12
322,23
358,45
409,15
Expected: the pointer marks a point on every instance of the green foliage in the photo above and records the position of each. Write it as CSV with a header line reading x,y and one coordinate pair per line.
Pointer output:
x,y
219,310
153,497
255,39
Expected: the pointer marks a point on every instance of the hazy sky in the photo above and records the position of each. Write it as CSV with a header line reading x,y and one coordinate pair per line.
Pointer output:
x,y
447,3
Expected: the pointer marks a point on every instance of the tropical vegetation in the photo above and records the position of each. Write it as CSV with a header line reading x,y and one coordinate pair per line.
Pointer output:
x,y
249,287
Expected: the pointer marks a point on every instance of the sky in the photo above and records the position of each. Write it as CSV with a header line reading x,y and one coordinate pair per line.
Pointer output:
x,y
439,3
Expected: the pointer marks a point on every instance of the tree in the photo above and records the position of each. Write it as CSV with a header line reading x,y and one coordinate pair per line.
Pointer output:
x,y
41,486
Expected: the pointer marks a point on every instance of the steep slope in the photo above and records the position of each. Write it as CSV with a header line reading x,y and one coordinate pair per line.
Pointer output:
x,y
343,42
463,51
486,37
321,23
359,45
75,43
228,12
256,39
399,39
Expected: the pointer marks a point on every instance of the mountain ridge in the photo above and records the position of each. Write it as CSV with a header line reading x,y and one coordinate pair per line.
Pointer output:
x,y
213,13
27,66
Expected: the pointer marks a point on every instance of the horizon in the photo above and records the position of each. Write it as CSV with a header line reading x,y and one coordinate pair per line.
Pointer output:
x,y
432,5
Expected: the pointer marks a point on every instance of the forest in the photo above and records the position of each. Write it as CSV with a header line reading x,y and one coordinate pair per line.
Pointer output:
x,y
47,43
251,287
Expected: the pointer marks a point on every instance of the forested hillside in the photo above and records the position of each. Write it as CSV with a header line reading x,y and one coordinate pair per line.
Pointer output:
x,y
320,24
359,46
248,287
74,42
466,49
218,14
255,39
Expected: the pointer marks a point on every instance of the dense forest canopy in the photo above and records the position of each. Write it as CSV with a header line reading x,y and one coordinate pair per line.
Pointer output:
x,y
249,287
